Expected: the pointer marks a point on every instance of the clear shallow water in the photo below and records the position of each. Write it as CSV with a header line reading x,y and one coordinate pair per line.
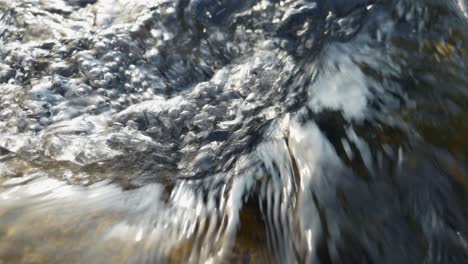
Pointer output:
x,y
219,131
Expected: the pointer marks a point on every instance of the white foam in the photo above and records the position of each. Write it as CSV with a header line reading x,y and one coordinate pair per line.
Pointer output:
x,y
341,85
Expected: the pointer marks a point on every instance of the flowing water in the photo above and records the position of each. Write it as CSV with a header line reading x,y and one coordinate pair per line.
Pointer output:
x,y
222,131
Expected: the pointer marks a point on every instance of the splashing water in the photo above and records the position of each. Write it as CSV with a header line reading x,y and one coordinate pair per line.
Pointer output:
x,y
258,131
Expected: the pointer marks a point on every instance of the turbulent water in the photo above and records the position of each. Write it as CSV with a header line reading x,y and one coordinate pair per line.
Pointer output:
x,y
223,131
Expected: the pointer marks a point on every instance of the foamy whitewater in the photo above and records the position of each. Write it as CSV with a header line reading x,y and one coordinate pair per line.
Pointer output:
x,y
218,131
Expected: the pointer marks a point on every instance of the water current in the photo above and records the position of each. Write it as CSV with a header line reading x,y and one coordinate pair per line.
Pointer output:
x,y
233,131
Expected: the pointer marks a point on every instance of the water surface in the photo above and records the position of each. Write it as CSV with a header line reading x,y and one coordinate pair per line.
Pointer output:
x,y
256,131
